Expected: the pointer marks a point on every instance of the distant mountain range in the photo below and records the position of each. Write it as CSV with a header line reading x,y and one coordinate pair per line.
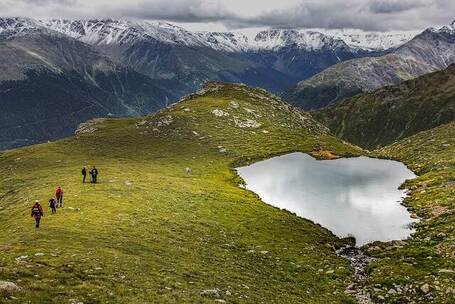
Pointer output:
x,y
271,59
108,31
430,51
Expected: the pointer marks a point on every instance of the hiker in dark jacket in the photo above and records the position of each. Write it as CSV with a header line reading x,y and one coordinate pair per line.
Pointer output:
x,y
94,174
37,213
84,174
53,205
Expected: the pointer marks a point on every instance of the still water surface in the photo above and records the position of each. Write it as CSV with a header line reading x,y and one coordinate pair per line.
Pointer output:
x,y
349,196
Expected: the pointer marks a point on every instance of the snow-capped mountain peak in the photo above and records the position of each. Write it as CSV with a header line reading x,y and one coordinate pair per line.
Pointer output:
x,y
108,31
304,39
127,32
17,25
373,41
450,29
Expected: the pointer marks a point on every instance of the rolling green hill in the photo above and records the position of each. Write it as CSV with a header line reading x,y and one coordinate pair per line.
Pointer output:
x,y
379,118
168,223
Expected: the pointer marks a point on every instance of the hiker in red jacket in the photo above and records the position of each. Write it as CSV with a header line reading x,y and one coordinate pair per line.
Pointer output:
x,y
59,196
37,213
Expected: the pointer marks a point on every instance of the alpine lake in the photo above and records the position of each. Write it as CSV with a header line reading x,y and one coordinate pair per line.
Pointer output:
x,y
357,197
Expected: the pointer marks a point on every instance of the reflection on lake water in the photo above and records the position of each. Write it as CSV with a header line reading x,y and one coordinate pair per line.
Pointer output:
x,y
349,196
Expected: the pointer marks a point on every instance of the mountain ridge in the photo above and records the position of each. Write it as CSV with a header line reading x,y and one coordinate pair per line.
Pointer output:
x,y
391,113
96,31
432,50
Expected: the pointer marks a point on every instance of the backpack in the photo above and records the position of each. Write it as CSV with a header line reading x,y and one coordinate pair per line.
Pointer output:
x,y
36,211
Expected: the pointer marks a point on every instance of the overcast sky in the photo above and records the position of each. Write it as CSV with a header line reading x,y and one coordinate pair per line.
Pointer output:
x,y
231,14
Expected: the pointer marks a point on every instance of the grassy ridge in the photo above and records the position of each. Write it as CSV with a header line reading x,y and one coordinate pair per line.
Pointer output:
x,y
386,115
150,232
422,268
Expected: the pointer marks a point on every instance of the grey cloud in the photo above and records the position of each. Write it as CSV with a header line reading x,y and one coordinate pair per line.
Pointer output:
x,y
366,15
48,2
395,6
180,11
361,14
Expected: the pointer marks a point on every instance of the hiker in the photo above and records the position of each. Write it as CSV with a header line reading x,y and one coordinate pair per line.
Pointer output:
x,y
84,174
94,174
59,196
37,213
53,205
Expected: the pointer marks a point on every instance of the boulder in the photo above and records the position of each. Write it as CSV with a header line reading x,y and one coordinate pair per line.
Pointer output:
x,y
7,289
425,288
210,293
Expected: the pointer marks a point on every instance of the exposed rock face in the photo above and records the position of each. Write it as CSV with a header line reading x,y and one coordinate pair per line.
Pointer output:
x,y
89,126
428,52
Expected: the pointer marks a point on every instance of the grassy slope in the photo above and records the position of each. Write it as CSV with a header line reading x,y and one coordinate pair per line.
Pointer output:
x,y
150,232
429,256
392,113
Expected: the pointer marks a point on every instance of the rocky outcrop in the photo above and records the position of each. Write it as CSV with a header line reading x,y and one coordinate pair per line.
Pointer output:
x,y
7,289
